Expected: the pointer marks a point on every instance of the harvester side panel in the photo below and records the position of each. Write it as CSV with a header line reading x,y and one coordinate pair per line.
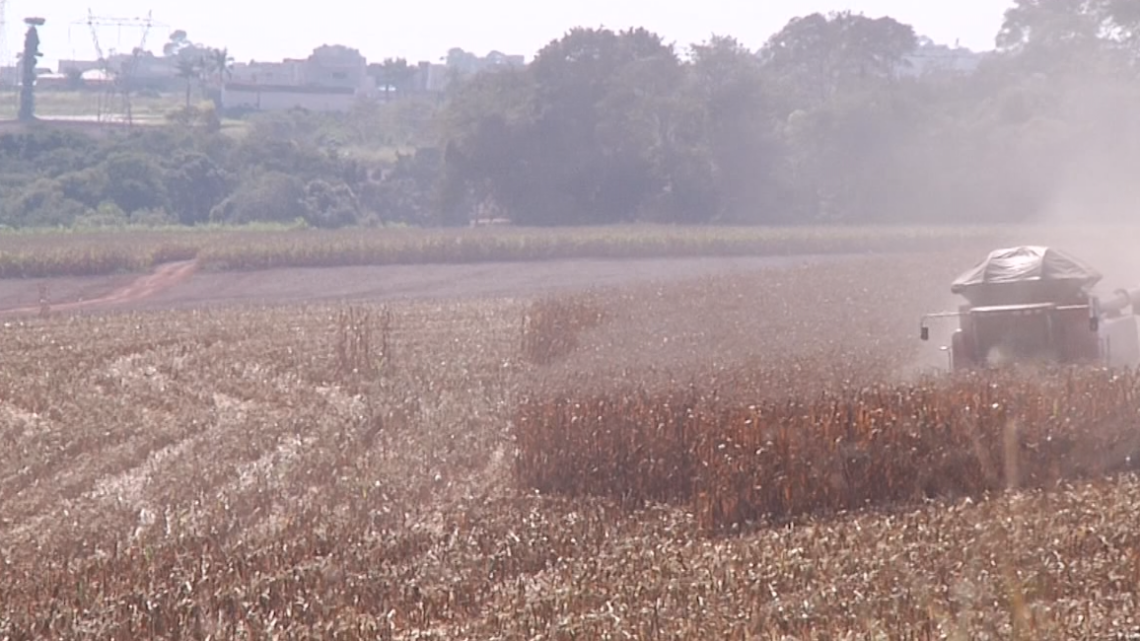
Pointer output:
x,y
1078,342
1122,341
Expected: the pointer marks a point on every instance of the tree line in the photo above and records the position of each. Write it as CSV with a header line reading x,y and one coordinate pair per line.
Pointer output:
x,y
828,122
280,168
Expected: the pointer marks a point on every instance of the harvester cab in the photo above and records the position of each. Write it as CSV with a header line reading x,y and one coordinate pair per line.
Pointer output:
x,y
1035,304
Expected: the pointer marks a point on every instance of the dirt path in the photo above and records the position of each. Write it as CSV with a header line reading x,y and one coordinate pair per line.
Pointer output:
x,y
165,277
182,286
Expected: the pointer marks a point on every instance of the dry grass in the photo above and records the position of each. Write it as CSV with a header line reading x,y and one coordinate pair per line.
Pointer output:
x,y
247,474
551,327
89,104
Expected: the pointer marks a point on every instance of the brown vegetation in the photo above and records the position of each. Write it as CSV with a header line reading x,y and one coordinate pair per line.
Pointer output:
x,y
731,464
367,472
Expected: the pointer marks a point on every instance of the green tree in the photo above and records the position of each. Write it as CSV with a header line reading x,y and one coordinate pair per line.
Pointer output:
x,y
575,137
1054,34
196,184
734,128
460,60
1072,38
86,186
815,57
221,65
135,181
42,204
189,70
267,196
330,205
106,214
177,43
404,192
393,73
487,154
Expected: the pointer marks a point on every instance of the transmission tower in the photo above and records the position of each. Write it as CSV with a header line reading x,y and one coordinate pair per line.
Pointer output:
x,y
119,74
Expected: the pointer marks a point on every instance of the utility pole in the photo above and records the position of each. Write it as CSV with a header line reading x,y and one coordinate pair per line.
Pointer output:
x,y
28,69
3,33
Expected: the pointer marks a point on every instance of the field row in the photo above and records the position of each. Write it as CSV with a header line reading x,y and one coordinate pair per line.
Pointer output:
x,y
84,253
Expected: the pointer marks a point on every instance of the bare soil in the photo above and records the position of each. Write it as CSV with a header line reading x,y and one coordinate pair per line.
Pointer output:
x,y
181,285
65,295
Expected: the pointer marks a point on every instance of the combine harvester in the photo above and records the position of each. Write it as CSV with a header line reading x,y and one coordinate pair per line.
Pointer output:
x,y
1034,304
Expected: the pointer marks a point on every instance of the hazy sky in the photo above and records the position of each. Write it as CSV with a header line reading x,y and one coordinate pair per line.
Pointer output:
x,y
426,29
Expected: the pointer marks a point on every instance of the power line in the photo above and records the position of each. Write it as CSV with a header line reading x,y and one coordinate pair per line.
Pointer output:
x,y
118,75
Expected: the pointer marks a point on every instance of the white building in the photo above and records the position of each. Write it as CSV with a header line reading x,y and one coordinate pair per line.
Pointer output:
x,y
286,72
331,79
263,97
934,58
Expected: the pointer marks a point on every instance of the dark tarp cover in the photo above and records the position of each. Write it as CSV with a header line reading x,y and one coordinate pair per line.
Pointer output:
x,y
1027,264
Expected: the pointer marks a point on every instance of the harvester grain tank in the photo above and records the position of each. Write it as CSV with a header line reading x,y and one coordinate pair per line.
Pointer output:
x,y
1034,304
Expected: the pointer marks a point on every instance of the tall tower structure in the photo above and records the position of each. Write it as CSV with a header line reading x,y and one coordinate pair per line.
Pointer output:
x,y
118,66
3,33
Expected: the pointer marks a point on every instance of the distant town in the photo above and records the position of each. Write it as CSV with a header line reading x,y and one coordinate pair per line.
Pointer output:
x,y
331,78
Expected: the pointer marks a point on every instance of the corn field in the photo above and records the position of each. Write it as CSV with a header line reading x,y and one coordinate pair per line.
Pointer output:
x,y
713,459
38,254
966,436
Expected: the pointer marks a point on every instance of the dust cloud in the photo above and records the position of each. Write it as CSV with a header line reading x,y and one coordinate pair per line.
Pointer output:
x,y
1092,213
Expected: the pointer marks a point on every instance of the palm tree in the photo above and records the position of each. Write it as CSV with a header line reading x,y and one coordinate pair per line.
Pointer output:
x,y
188,70
222,63
395,73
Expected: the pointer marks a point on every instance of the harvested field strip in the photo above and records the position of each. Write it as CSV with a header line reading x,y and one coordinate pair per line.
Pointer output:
x,y
271,491
782,458
290,479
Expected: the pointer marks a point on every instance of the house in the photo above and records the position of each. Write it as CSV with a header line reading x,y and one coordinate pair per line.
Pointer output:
x,y
144,71
929,57
330,79
334,77
499,59
150,68
78,66
287,72
335,66
436,78
52,80
468,63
